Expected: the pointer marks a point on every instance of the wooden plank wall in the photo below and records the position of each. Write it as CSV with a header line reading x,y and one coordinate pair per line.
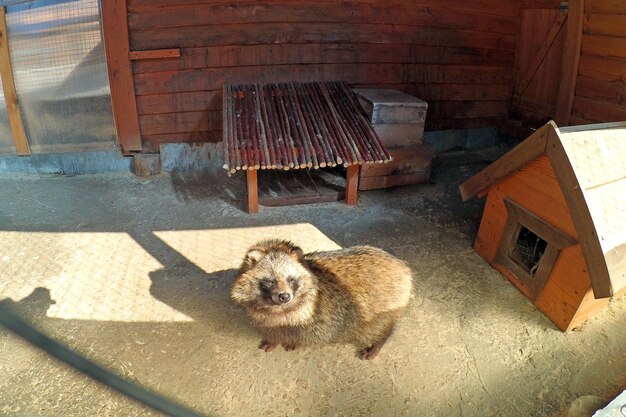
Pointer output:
x,y
601,86
458,55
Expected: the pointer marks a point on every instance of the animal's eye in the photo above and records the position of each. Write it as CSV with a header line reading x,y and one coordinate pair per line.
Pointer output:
x,y
291,280
267,282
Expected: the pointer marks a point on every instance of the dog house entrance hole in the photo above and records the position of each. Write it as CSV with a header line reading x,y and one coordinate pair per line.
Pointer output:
x,y
528,249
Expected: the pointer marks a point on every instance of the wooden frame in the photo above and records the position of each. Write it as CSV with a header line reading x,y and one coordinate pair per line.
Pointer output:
x,y
518,217
10,95
116,42
352,187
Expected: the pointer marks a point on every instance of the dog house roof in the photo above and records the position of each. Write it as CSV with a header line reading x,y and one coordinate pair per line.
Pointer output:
x,y
590,165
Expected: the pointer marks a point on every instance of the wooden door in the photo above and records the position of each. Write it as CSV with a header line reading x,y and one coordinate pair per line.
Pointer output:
x,y
543,35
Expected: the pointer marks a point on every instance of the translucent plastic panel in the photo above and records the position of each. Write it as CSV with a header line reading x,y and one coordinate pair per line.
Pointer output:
x,y
6,140
61,75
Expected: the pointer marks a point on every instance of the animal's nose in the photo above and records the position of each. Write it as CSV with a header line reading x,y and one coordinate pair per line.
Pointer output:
x,y
284,297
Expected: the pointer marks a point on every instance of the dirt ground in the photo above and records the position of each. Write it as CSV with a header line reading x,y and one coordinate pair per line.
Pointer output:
x,y
134,273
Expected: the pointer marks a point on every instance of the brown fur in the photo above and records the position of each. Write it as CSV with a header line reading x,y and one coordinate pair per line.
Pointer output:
x,y
354,295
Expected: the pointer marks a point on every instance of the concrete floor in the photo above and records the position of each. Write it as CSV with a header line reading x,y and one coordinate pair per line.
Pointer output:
x,y
135,273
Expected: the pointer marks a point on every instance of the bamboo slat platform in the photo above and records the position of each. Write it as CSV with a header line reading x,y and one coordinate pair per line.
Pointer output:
x,y
296,126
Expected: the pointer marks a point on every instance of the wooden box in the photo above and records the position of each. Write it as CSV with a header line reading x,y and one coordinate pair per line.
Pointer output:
x,y
391,106
410,165
397,118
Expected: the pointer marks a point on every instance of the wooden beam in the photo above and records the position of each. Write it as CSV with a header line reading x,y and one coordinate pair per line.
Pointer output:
x,y
541,4
115,31
570,61
10,95
541,54
154,54
352,184
253,191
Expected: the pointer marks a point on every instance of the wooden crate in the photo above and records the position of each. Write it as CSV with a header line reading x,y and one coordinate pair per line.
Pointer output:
x,y
410,165
397,118
391,106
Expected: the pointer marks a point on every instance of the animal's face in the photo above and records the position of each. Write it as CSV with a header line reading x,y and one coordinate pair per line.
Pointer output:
x,y
273,279
279,278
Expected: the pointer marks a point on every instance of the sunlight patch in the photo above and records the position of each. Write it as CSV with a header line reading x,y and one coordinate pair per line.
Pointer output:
x,y
89,276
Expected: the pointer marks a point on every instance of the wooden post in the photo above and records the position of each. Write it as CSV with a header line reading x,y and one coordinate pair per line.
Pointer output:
x,y
116,42
570,61
10,95
352,184
253,191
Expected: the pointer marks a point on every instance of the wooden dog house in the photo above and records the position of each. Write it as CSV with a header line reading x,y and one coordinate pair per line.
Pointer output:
x,y
555,218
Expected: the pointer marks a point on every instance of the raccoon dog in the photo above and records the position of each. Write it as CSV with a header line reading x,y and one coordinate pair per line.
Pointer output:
x,y
353,295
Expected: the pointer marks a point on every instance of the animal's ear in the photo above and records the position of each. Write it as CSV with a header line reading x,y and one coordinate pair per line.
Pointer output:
x,y
297,253
252,257
242,290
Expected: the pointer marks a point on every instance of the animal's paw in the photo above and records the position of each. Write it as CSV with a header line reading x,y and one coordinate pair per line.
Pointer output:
x,y
290,347
369,353
267,346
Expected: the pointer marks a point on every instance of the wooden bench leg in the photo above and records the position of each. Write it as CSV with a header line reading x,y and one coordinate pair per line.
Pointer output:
x,y
352,184
253,191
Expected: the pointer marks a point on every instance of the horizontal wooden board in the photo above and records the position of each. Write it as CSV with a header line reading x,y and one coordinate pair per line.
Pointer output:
x,y
470,123
610,92
180,102
387,181
605,6
282,54
604,46
462,92
414,159
467,110
154,54
204,136
597,111
602,69
315,12
213,79
180,122
281,33
486,7
459,74
541,4
605,24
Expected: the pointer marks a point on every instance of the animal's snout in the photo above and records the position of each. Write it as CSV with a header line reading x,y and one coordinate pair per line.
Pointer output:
x,y
284,297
